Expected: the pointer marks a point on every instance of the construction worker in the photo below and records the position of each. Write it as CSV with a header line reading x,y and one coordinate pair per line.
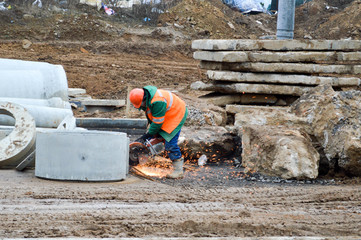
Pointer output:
x,y
166,113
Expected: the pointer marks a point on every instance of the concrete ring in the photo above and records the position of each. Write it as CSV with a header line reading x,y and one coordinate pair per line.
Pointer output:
x,y
19,142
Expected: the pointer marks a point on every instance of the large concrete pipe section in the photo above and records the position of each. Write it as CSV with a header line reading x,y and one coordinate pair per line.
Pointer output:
x,y
27,79
82,155
55,102
46,117
16,145
286,19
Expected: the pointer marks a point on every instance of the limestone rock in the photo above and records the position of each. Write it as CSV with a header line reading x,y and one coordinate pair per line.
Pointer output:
x,y
279,151
335,120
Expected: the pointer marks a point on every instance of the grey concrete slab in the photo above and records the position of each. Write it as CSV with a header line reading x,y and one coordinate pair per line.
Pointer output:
x,y
291,79
82,155
221,56
223,100
250,88
266,56
276,45
112,123
287,68
103,102
348,56
314,69
73,92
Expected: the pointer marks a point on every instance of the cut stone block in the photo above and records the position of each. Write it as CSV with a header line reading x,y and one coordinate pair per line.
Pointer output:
x,y
282,78
276,45
82,155
250,88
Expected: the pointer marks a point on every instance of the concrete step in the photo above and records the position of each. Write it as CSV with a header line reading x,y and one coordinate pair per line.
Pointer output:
x,y
282,78
276,45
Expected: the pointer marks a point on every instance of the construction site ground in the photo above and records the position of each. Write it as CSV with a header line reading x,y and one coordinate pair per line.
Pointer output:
x,y
106,56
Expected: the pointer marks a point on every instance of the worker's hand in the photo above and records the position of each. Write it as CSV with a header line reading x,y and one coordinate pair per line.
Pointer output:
x,y
144,137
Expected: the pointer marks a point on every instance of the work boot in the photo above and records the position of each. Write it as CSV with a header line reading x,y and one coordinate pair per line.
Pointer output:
x,y
177,169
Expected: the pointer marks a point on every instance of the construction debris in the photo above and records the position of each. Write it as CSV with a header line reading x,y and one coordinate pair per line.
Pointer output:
x,y
279,151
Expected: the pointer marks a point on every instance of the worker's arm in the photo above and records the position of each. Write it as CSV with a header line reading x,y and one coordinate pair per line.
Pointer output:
x,y
158,110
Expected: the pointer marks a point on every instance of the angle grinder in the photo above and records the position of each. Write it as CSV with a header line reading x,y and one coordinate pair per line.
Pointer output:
x,y
139,152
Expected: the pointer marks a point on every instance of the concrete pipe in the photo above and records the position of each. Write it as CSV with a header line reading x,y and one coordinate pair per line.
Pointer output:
x,y
15,146
27,79
82,155
46,117
51,102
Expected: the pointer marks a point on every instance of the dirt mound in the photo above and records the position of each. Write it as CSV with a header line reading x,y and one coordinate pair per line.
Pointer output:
x,y
346,24
213,19
328,19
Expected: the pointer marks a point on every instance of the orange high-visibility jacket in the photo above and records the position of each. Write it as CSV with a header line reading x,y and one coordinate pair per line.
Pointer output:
x,y
175,110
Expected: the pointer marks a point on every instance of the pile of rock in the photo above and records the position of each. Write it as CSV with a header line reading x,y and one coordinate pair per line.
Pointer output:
x,y
319,130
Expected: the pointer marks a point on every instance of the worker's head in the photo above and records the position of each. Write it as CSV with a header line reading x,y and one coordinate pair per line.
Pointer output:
x,y
136,97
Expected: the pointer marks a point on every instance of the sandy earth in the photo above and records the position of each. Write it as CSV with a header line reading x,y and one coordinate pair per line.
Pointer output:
x,y
105,58
33,207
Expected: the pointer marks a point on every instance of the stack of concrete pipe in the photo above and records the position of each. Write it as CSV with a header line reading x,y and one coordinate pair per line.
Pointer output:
x,y
37,127
274,72
42,88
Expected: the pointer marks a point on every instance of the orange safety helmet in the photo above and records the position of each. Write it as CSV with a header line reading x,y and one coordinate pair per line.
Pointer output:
x,y
136,97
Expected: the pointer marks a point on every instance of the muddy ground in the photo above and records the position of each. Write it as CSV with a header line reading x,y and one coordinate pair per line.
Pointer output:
x,y
106,55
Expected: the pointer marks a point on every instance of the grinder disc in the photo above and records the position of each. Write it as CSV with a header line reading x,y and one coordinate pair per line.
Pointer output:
x,y
138,153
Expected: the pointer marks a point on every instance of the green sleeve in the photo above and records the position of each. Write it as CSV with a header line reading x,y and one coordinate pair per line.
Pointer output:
x,y
158,109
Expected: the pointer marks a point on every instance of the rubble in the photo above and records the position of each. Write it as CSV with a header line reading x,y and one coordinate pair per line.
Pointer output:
x,y
216,143
279,151
335,121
